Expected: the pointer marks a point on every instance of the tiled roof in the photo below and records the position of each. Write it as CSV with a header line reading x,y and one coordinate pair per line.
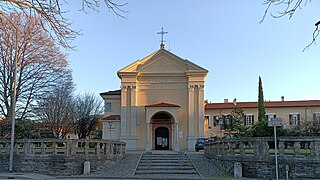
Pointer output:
x,y
111,117
162,104
116,92
268,104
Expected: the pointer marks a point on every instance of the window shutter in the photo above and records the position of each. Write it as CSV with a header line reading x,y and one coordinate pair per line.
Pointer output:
x,y
244,120
206,118
214,120
314,117
274,116
290,117
298,117
252,119
267,117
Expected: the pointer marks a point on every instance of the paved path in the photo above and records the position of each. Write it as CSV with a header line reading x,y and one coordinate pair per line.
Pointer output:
x,y
24,176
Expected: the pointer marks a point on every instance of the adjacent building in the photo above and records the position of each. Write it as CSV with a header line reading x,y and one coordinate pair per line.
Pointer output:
x,y
292,113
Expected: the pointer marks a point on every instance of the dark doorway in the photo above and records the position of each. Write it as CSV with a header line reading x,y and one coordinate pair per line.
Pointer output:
x,y
162,138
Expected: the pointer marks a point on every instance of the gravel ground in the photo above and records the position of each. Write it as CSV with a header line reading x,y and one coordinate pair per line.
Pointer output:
x,y
206,168
124,168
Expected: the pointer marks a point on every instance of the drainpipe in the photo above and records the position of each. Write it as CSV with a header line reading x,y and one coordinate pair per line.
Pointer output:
x,y
305,113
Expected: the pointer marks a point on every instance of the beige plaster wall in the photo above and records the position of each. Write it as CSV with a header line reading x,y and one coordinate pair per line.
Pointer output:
x,y
282,112
116,104
152,96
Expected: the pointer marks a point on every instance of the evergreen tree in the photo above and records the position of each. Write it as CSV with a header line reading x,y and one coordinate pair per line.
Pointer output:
x,y
233,123
261,107
261,127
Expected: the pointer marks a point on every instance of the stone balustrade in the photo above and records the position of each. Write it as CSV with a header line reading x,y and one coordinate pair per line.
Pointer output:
x,y
60,156
41,147
257,155
294,147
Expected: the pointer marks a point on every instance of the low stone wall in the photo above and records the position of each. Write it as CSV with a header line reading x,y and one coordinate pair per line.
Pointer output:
x,y
301,155
60,157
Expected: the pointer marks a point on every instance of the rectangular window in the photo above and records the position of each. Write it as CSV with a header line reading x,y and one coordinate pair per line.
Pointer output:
x,y
215,120
207,118
207,122
270,116
316,117
108,106
226,119
294,119
249,120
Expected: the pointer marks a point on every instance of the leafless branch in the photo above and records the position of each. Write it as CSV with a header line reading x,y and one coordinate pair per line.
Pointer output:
x,y
290,8
56,109
315,34
116,8
53,18
40,63
94,5
88,108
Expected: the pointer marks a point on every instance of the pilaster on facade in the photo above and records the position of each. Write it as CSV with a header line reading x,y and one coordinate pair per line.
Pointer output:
x,y
201,110
148,143
133,107
195,112
176,137
191,138
191,111
129,114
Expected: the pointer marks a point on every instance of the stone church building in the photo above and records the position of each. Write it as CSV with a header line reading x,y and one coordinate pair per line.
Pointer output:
x,y
160,105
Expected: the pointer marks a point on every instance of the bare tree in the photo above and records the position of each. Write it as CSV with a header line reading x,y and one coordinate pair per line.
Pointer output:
x,y
88,108
56,108
52,16
52,21
309,126
289,8
39,63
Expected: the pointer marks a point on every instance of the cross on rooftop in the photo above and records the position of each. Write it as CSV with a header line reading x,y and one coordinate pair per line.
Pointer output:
x,y
162,41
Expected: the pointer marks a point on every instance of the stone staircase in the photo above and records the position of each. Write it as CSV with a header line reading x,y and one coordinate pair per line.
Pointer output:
x,y
164,165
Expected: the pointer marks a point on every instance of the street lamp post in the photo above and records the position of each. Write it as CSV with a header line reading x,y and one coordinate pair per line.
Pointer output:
x,y
13,102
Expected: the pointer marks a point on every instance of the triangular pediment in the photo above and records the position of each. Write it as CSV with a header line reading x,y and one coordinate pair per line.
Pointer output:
x,y
162,61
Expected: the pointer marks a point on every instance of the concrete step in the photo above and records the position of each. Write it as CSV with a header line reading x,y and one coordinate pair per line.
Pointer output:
x,y
161,157
166,167
164,164
172,171
164,161
172,165
167,176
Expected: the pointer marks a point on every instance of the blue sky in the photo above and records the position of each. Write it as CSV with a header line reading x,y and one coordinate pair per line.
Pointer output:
x,y
223,36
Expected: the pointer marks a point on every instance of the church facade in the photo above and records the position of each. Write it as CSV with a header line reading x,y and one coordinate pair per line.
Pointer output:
x,y
160,105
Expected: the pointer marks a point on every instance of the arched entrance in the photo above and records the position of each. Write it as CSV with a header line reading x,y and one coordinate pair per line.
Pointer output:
x,y
162,131
162,138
